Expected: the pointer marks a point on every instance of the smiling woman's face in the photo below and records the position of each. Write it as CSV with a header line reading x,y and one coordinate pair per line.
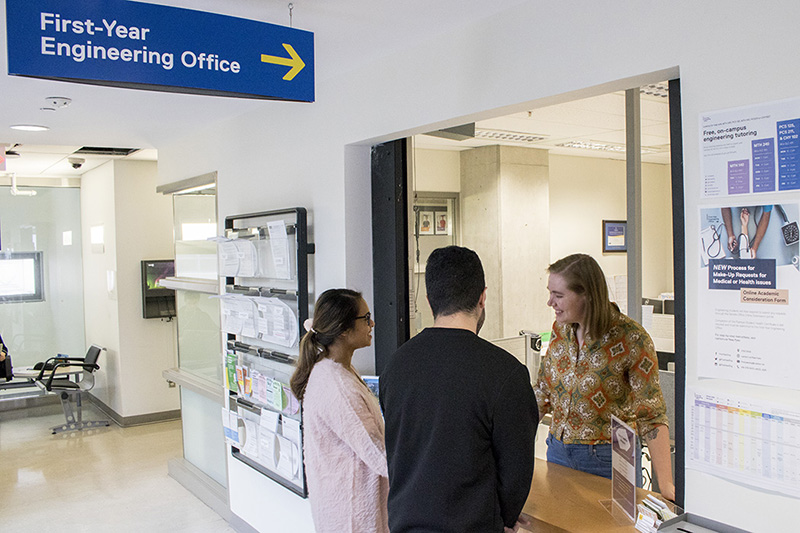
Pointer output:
x,y
570,307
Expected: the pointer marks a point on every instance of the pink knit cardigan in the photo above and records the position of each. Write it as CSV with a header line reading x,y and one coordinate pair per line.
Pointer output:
x,y
345,455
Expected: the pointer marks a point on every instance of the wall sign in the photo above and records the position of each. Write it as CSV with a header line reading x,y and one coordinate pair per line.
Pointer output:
x,y
148,46
615,237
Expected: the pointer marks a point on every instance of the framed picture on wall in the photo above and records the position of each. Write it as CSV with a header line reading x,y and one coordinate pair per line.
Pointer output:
x,y
615,236
426,223
442,224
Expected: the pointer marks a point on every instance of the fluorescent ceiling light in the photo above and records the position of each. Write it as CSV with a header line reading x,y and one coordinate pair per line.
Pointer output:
x,y
605,147
29,127
512,136
656,89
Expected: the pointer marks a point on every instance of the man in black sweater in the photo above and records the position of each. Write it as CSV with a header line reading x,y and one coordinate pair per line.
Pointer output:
x,y
460,414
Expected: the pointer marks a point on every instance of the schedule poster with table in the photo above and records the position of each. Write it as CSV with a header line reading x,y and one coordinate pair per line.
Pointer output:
x,y
749,294
754,149
745,440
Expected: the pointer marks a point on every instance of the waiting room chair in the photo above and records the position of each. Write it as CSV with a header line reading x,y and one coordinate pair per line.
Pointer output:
x,y
54,377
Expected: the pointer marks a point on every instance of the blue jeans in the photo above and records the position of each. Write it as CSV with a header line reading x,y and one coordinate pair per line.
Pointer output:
x,y
590,458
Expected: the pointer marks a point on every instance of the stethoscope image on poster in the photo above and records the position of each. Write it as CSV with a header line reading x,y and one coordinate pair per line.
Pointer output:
x,y
751,232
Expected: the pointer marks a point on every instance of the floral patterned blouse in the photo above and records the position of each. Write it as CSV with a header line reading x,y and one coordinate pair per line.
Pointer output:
x,y
614,375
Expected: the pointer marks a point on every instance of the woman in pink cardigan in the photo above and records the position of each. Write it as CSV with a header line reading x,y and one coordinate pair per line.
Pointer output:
x,y
344,449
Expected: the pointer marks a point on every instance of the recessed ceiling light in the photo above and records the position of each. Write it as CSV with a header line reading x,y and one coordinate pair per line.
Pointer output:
x,y
512,136
29,127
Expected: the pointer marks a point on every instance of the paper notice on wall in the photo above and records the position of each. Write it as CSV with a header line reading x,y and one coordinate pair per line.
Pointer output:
x,y
266,447
269,420
229,312
246,254
263,390
251,438
748,295
288,457
753,149
747,440
618,291
237,257
291,429
238,315
277,322
229,426
279,245
247,313
228,256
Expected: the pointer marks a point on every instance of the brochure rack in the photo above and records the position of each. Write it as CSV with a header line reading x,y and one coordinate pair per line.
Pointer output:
x,y
264,260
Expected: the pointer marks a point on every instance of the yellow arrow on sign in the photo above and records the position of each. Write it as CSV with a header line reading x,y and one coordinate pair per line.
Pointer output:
x,y
294,61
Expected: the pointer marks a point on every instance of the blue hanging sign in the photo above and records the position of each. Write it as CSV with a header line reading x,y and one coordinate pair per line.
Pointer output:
x,y
147,46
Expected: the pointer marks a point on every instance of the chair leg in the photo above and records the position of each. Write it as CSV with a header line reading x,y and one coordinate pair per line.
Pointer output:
x,y
69,415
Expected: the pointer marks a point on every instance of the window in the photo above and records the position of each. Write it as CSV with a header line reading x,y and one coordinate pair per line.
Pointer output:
x,y
21,277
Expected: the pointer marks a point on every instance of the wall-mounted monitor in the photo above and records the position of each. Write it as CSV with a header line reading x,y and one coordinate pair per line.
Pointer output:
x,y
157,302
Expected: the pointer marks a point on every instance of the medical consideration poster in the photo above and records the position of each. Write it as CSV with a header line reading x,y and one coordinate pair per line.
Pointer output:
x,y
751,150
749,301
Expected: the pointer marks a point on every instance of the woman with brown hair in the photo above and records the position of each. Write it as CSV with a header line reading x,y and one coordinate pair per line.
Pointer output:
x,y
599,363
343,446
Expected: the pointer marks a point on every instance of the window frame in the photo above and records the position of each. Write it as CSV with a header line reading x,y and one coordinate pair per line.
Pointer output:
x,y
38,279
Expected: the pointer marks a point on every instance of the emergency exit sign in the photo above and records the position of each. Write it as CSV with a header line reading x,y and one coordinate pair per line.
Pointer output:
x,y
147,46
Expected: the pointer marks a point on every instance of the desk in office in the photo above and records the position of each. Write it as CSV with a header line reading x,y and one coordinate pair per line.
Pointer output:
x,y
563,499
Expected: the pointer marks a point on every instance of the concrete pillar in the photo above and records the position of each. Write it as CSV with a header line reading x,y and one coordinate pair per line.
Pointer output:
x,y
505,219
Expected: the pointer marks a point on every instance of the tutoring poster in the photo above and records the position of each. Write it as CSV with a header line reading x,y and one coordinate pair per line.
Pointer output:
x,y
751,150
749,302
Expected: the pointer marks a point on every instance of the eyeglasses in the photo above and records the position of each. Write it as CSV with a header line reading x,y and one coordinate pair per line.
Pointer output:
x,y
367,317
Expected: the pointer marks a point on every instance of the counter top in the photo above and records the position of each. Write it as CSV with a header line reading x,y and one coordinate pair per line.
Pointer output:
x,y
563,499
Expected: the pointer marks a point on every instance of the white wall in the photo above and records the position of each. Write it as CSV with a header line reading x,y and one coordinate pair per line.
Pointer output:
x,y
727,54
101,311
121,197
436,170
147,346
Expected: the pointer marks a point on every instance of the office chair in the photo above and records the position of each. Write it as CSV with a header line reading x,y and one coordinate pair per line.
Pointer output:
x,y
66,388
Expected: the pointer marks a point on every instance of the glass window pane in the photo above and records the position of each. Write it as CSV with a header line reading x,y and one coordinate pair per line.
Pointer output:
x,y
199,337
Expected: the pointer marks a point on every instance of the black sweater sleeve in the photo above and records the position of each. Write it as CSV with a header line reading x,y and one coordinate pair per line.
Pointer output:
x,y
516,417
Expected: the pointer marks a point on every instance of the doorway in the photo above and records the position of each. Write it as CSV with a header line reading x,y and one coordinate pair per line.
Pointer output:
x,y
535,186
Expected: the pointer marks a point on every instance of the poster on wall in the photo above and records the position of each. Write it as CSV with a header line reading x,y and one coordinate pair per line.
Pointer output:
x,y
749,150
426,223
749,301
750,441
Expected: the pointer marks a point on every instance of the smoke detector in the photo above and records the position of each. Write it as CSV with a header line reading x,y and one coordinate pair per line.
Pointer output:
x,y
57,102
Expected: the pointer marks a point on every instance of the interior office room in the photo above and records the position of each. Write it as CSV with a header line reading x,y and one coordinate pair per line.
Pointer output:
x,y
415,68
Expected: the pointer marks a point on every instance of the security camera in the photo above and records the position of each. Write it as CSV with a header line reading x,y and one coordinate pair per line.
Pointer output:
x,y
76,162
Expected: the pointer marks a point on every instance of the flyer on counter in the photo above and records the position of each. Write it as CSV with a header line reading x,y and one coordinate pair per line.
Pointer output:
x,y
623,467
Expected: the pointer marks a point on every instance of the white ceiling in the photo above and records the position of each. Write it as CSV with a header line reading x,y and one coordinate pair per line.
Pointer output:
x,y
597,122
113,117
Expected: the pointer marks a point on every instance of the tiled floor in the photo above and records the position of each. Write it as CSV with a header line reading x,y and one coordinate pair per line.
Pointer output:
x,y
106,479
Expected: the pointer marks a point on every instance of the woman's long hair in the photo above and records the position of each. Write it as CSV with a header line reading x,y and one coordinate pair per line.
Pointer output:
x,y
334,313
584,276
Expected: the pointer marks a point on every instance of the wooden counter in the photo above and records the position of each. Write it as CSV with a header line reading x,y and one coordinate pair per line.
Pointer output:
x,y
563,499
